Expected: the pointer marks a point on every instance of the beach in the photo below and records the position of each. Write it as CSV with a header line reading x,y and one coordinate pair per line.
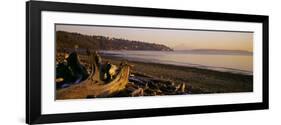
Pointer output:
x,y
155,79
201,80
177,63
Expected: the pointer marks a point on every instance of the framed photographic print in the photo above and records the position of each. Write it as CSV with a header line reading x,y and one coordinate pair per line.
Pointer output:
x,y
95,62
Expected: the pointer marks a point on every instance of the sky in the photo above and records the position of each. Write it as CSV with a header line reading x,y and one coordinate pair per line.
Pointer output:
x,y
176,39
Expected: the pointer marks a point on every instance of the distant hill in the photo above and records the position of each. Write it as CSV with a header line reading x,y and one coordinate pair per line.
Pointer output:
x,y
68,40
218,51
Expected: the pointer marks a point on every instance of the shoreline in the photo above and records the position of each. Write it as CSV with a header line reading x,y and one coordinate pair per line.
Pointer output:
x,y
206,80
109,57
153,79
182,64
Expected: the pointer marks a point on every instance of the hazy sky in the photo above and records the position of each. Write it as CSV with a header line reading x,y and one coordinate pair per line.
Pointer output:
x,y
176,39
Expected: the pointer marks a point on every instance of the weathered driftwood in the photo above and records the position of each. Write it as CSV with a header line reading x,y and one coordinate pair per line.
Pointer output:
x,y
93,86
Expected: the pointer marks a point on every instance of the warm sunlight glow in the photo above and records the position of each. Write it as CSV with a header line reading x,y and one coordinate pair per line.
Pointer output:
x,y
176,39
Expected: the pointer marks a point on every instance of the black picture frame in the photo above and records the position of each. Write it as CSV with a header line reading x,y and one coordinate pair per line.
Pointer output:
x,y
33,61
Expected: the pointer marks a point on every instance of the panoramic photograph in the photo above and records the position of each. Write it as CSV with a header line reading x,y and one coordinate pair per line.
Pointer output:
x,y
113,61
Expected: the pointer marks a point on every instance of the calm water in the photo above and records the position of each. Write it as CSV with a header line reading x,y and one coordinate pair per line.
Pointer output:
x,y
238,63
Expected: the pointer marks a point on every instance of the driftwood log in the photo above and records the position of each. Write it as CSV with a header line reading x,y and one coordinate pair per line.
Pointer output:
x,y
94,86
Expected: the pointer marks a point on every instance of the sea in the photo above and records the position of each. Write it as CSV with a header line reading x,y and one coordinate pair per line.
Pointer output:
x,y
235,62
